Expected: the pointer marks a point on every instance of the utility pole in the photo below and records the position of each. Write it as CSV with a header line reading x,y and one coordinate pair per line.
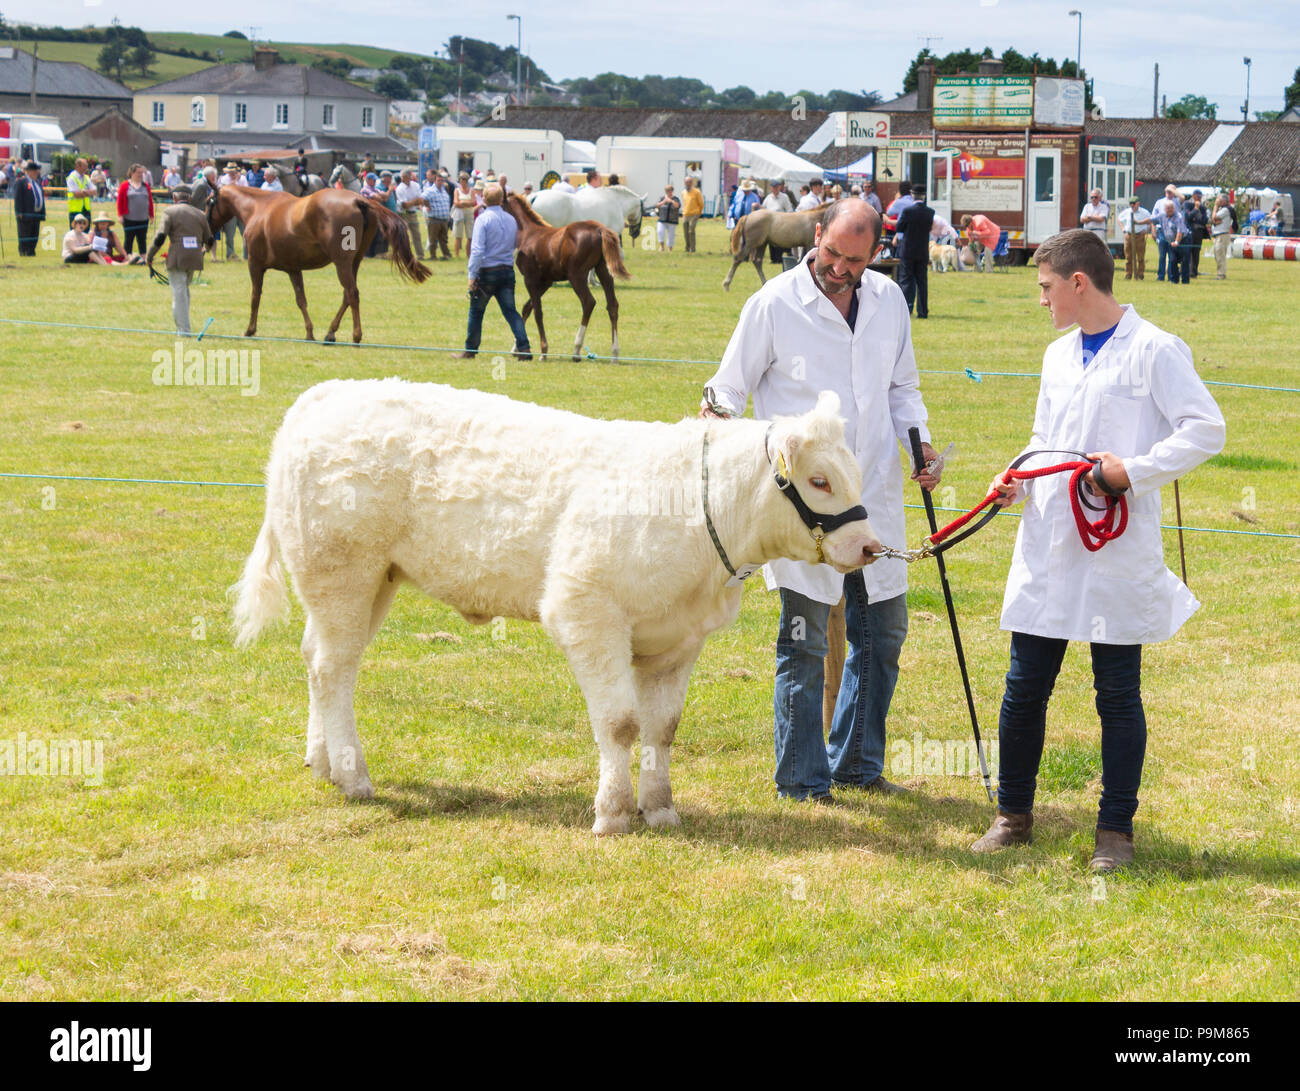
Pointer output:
x,y
35,64
1155,93
1245,110
1078,47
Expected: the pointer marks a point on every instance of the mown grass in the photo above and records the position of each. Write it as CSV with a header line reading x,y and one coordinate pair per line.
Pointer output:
x,y
210,863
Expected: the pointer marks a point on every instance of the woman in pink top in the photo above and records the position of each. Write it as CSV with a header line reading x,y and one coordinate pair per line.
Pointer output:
x,y
984,236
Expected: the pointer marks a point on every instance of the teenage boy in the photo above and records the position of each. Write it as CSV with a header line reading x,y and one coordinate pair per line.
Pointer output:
x,y
1126,393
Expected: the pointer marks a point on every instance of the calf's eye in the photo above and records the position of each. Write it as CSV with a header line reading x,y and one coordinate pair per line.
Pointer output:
x,y
820,483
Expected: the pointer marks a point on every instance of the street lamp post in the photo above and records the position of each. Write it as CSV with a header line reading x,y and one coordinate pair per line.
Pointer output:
x,y
1245,110
1078,45
519,45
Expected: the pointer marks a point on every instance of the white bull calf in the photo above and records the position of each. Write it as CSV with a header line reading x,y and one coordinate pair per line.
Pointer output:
x,y
499,508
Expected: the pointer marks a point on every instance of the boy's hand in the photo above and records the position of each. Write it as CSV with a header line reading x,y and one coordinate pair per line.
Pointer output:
x,y
1112,469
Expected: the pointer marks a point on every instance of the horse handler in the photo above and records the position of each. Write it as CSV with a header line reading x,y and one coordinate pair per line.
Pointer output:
x,y
492,273
185,230
1126,394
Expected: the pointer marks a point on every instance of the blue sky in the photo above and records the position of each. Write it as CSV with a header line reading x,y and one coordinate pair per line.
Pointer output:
x,y
788,45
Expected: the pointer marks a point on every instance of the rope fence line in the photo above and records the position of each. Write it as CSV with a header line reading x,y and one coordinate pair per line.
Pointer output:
x,y
972,374
261,485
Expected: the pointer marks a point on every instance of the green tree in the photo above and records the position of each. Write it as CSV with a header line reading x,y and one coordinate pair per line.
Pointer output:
x,y
1291,96
391,85
1193,106
141,58
112,58
335,66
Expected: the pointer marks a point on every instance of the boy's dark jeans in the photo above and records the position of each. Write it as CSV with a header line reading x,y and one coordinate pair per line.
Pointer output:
x,y
1117,678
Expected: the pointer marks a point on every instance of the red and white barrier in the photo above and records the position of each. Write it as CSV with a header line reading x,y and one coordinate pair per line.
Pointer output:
x,y
1265,246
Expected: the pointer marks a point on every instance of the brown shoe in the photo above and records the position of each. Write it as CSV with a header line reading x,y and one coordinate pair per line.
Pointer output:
x,y
1007,829
463,355
880,786
1114,850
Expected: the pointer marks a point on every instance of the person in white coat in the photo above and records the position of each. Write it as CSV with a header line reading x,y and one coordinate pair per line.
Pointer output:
x,y
1126,394
830,324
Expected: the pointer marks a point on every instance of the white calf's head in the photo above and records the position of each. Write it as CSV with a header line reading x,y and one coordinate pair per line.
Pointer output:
x,y
811,452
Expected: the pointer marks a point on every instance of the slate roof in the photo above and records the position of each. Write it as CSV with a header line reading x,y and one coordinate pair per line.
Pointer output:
x,y
245,79
65,79
1266,153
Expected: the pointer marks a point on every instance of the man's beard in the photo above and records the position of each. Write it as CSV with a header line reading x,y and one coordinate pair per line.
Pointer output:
x,y
829,286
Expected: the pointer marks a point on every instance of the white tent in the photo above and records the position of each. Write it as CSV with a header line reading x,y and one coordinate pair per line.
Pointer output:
x,y
762,160
579,154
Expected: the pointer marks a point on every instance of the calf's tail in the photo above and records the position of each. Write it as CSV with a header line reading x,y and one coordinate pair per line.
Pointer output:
x,y
261,597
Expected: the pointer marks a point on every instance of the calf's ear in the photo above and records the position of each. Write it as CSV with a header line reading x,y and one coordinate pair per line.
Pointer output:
x,y
828,404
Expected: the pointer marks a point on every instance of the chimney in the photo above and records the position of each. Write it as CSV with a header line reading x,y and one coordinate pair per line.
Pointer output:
x,y
925,86
264,58
990,66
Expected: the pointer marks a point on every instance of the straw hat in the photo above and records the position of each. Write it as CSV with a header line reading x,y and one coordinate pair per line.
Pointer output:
x,y
748,183
102,218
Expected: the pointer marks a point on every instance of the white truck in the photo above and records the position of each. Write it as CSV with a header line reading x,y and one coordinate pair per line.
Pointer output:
x,y
32,136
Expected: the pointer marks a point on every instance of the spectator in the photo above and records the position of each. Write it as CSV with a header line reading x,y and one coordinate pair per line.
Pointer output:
x,y
1273,219
501,181
7,178
1223,224
528,190
105,242
668,211
480,188
813,198
171,179
593,179
898,204
869,195
692,210
135,206
914,254
777,200
984,238
271,180
564,185
29,208
1135,222
99,180
76,243
492,273
185,231
1197,217
410,199
79,192
1094,215
462,214
942,232
1171,231
437,204
368,164
233,177
256,176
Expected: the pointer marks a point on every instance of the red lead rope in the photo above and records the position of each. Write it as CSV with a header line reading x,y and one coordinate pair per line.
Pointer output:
x,y
1094,534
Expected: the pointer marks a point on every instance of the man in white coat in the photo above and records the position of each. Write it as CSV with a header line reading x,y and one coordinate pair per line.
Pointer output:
x,y
830,324
1126,394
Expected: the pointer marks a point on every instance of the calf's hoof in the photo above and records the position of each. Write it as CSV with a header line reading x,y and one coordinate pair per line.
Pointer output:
x,y
329,338
356,788
611,825
664,816
319,762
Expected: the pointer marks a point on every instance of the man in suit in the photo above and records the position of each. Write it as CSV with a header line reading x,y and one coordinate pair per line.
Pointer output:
x,y
914,255
29,208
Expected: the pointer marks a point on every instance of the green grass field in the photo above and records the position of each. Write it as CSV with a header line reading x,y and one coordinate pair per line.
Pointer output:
x,y
211,864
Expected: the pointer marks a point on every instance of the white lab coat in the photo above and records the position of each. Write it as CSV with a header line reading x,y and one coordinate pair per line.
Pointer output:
x,y
1141,399
789,345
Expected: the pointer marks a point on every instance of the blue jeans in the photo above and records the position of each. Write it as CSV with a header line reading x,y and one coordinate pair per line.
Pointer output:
x,y
1117,679
497,281
1168,257
806,764
1184,262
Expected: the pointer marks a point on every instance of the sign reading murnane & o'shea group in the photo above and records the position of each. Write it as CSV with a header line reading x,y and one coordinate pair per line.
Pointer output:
x,y
983,102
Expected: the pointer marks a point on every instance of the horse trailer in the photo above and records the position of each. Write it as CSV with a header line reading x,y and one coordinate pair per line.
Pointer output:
x,y
648,163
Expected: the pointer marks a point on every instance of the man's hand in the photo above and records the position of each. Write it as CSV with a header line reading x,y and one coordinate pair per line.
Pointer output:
x,y
1112,469
928,478
1009,490
473,286
708,414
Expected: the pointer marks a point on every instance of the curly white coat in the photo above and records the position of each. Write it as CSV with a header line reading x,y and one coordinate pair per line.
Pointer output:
x,y
502,508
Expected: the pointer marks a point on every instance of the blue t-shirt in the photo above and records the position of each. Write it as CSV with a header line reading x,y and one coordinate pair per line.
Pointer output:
x,y
1092,343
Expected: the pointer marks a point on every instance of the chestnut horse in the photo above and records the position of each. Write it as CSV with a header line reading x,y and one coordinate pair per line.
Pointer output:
x,y
548,255
330,227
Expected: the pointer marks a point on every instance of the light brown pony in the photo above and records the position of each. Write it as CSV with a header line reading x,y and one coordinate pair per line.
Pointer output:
x,y
330,227
752,234
548,255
